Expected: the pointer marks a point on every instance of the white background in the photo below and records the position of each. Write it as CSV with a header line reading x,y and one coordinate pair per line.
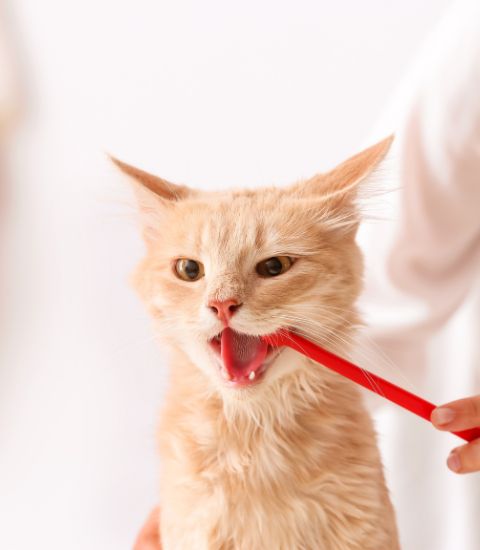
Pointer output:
x,y
208,93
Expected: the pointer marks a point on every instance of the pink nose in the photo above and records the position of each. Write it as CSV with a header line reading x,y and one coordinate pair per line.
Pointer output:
x,y
224,309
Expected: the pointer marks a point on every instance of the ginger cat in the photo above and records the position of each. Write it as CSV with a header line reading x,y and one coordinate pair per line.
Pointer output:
x,y
261,448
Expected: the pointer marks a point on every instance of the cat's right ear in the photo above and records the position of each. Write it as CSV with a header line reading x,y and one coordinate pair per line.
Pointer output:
x,y
153,194
337,194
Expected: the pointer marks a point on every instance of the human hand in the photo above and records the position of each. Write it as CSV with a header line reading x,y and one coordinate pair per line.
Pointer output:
x,y
148,538
456,416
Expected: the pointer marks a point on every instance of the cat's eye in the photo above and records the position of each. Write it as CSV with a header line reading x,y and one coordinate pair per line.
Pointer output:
x,y
189,270
271,267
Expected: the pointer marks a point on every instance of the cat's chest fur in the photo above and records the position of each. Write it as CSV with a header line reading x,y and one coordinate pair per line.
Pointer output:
x,y
301,471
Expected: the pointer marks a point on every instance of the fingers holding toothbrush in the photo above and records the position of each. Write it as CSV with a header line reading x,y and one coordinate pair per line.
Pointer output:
x,y
457,416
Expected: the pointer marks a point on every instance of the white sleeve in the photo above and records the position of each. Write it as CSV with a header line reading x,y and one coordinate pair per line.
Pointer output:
x,y
421,263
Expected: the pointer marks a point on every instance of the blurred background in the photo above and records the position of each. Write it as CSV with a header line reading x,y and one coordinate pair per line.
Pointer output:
x,y
208,93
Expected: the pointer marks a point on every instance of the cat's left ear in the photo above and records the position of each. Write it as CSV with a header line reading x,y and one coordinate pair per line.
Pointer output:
x,y
153,194
336,192
156,186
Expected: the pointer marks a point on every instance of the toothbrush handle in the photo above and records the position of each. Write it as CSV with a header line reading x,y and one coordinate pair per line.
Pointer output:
x,y
368,380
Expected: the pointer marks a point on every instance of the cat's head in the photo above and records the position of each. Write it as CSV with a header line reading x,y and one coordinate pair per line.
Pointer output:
x,y
223,268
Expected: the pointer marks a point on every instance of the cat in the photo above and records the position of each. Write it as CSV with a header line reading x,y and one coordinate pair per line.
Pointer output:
x,y
261,448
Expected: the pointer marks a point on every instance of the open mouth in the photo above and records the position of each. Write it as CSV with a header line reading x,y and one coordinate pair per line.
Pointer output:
x,y
243,358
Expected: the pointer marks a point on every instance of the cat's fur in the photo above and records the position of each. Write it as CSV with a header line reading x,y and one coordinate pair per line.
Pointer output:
x,y
291,463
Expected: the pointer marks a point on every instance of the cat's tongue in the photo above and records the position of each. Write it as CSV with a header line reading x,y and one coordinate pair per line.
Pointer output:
x,y
242,353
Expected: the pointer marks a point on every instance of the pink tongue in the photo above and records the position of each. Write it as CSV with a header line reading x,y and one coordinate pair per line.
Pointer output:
x,y
242,353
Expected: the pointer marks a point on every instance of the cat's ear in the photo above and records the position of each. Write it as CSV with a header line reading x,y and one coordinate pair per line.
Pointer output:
x,y
154,185
153,194
336,192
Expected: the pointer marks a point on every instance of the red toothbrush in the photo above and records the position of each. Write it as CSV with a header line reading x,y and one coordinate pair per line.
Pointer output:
x,y
368,380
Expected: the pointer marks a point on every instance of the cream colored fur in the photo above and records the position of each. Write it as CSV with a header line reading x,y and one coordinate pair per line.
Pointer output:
x,y
291,463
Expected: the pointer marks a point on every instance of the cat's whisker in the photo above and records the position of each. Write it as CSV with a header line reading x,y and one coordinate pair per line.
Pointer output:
x,y
332,337
336,339
359,341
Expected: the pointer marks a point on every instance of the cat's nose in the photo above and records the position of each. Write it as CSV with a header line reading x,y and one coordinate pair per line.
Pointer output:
x,y
224,309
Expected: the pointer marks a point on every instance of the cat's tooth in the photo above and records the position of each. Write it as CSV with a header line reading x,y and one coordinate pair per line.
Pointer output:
x,y
251,376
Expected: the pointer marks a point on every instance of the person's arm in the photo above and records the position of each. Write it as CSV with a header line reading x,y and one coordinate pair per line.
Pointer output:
x,y
422,266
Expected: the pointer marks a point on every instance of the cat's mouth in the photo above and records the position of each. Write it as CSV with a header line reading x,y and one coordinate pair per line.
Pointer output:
x,y
243,358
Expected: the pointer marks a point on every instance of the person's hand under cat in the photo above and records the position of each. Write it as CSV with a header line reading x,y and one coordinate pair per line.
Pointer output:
x,y
456,416
148,537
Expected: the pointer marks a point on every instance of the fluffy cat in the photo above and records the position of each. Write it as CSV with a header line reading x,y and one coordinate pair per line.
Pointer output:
x,y
261,448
